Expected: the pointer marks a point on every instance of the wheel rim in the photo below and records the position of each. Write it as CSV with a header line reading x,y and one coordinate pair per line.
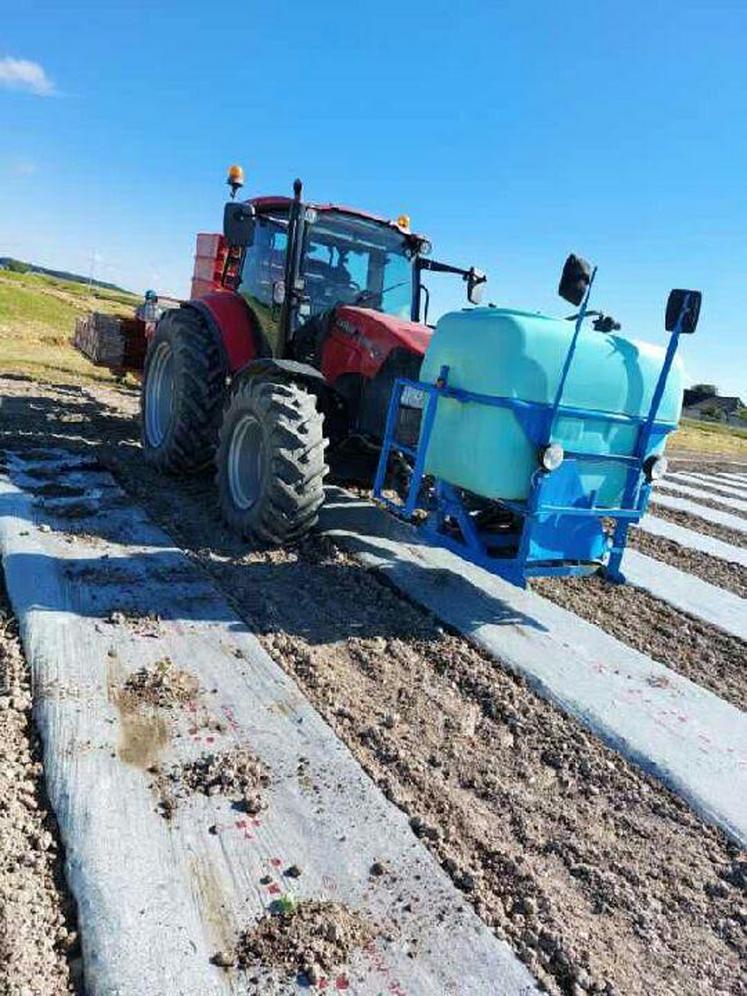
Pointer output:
x,y
159,394
245,459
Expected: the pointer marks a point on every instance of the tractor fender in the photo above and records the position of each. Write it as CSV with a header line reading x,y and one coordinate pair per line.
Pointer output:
x,y
228,316
270,366
210,325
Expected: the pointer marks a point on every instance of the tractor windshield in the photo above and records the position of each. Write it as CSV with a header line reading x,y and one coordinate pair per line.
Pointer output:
x,y
353,260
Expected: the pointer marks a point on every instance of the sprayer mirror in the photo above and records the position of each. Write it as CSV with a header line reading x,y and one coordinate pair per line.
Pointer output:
x,y
575,279
684,304
476,281
238,225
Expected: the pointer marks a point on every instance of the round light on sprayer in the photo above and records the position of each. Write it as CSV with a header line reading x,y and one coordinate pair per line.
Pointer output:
x,y
655,468
551,456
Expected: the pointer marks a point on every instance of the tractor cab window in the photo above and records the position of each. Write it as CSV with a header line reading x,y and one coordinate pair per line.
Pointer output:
x,y
349,260
264,266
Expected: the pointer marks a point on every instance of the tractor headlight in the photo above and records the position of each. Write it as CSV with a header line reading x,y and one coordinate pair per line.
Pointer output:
x,y
655,468
551,456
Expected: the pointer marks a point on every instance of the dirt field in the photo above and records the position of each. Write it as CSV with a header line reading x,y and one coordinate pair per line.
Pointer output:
x,y
601,880
38,940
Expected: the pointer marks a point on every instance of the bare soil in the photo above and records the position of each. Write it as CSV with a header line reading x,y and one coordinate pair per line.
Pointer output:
x,y
602,881
722,573
39,950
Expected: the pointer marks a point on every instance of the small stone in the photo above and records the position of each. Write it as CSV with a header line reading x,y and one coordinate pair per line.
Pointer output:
x,y
224,959
377,869
465,882
293,872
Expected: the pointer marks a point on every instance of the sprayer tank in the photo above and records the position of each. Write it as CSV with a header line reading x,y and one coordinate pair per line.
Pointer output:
x,y
520,355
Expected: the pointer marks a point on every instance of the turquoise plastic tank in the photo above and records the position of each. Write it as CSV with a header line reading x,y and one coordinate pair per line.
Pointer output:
x,y
517,354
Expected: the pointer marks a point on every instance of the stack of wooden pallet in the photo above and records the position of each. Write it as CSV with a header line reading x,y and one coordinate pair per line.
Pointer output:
x,y
109,341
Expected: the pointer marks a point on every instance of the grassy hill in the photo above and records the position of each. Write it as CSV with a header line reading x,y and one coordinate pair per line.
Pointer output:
x,y
709,438
20,266
37,320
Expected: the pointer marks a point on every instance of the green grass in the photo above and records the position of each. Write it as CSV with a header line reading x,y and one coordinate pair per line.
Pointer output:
x,y
37,321
712,438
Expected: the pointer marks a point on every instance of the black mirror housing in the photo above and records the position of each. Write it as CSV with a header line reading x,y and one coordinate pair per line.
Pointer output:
x,y
238,224
575,279
476,281
683,307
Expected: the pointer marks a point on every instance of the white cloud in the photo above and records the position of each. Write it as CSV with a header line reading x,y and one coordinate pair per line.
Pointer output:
x,y
22,74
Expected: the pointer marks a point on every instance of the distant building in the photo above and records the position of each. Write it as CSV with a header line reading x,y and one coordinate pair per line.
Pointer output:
x,y
714,408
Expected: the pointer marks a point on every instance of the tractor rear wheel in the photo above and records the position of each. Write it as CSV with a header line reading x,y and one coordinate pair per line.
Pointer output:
x,y
270,460
182,394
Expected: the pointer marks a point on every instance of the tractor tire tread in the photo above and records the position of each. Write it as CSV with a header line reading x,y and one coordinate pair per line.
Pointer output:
x,y
290,500
191,440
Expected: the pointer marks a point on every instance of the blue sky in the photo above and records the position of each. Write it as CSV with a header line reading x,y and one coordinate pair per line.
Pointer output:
x,y
510,132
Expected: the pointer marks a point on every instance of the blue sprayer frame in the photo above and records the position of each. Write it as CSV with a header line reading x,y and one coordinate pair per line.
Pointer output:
x,y
561,531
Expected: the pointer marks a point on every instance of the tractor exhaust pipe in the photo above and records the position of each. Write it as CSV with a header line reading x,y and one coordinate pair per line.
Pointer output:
x,y
292,269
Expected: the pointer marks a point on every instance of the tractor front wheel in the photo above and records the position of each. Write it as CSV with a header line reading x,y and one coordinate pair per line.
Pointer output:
x,y
270,460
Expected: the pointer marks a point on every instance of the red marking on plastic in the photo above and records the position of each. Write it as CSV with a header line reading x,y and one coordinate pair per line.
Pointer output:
x,y
379,965
274,888
275,862
342,983
240,824
322,983
228,713
329,883
209,740
256,823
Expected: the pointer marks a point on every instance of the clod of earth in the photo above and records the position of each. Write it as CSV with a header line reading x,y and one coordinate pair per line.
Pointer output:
x,y
312,939
162,685
236,773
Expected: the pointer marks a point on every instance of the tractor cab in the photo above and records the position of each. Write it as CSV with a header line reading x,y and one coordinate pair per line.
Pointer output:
x,y
295,263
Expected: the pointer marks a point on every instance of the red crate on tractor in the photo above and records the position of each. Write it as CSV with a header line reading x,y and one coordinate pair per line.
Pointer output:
x,y
210,258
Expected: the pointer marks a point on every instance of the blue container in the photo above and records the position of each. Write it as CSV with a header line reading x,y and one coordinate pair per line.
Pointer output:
x,y
518,354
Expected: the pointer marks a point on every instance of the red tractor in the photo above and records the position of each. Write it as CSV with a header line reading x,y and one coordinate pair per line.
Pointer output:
x,y
308,315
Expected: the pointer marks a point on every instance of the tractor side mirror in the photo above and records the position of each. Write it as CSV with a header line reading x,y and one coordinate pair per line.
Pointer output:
x,y
238,225
476,281
683,310
575,280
